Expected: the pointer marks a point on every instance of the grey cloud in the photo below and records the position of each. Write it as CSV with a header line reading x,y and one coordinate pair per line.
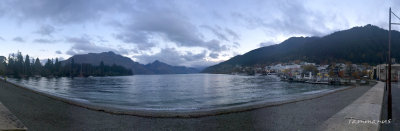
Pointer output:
x,y
298,19
222,33
173,57
214,45
83,45
19,39
217,15
58,52
235,44
45,41
1,38
60,11
216,30
233,34
287,17
266,44
214,55
101,39
189,56
1,9
140,39
168,24
166,16
46,30
79,40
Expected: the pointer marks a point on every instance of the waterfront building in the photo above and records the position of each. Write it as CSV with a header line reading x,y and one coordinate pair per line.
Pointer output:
x,y
380,72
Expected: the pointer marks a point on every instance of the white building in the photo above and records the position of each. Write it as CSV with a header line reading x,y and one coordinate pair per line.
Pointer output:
x,y
380,72
293,66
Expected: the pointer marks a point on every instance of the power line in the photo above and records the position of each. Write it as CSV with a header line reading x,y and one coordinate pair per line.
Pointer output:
x,y
396,15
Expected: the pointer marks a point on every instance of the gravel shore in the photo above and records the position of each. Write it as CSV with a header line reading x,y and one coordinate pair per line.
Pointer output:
x,y
39,112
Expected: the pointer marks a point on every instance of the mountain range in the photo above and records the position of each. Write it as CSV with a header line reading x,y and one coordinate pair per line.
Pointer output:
x,y
110,58
365,44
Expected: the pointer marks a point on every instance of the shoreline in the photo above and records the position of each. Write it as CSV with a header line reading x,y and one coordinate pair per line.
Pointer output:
x,y
184,114
39,112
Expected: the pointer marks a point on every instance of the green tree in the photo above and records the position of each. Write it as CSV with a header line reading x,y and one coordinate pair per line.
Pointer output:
x,y
57,68
37,67
310,68
48,68
11,65
27,66
19,64
3,65
349,69
101,68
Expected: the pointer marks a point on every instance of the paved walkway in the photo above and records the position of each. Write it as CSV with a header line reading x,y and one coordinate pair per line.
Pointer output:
x,y
8,121
364,114
395,123
38,112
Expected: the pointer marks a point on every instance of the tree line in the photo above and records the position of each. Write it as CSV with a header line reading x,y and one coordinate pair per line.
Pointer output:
x,y
18,66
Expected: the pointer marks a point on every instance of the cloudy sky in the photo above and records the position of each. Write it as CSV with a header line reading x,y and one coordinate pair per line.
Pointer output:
x,y
179,32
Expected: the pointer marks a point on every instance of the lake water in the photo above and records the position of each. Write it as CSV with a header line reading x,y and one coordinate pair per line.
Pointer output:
x,y
173,92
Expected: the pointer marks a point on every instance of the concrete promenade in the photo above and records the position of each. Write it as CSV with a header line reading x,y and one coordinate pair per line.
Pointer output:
x,y
364,114
395,122
39,112
8,121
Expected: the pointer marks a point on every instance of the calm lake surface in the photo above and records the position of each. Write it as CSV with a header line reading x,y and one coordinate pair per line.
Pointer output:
x,y
173,92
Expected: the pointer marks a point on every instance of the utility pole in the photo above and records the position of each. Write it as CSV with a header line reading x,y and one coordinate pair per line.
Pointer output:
x,y
389,78
389,73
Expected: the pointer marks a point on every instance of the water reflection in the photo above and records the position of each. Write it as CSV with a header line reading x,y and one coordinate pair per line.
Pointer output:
x,y
172,92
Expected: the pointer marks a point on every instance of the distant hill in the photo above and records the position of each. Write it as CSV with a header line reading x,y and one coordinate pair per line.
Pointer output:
x,y
158,67
110,58
366,44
